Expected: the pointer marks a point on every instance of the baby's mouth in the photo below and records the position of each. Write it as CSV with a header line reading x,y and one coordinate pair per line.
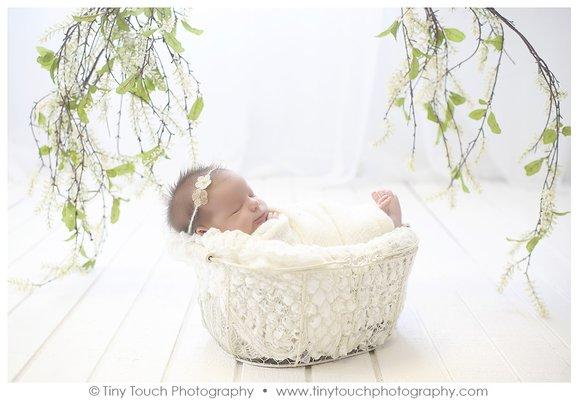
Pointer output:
x,y
261,217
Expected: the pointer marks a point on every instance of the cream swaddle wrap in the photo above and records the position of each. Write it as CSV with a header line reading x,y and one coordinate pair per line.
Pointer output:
x,y
310,228
326,224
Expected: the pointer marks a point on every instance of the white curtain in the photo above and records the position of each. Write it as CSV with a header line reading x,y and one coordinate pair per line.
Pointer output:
x,y
303,91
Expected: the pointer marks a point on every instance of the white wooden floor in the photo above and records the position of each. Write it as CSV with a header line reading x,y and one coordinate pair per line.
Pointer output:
x,y
135,318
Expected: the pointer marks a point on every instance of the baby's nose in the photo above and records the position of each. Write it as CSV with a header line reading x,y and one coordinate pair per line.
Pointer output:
x,y
254,204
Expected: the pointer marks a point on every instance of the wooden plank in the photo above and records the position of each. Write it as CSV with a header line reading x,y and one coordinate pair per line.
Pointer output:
x,y
352,369
53,250
522,213
484,227
474,357
141,348
253,373
20,212
515,332
95,303
17,193
26,238
523,208
409,355
196,356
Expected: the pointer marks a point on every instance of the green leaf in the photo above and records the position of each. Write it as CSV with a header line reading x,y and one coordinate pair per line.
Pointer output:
x,y
414,67
71,237
438,38
149,32
449,111
44,150
561,213
453,34
532,243
115,211
73,155
82,115
493,124
190,28
196,109
85,18
455,173
149,84
88,265
69,215
106,68
463,186
497,42
172,42
392,29
482,102
54,67
122,23
80,108
140,90
533,167
150,156
399,102
43,51
82,252
439,134
135,11
41,119
549,136
566,131
456,98
81,112
477,114
430,114
123,169
163,12
417,53
46,58
127,84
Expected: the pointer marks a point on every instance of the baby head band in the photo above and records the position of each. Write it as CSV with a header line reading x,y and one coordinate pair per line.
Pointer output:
x,y
199,195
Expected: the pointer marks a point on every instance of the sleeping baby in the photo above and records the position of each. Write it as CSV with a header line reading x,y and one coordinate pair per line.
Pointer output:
x,y
209,200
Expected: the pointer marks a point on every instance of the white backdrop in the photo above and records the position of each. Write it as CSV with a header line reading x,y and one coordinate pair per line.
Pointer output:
x,y
303,91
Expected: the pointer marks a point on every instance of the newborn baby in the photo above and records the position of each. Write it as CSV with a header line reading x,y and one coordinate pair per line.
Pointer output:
x,y
215,197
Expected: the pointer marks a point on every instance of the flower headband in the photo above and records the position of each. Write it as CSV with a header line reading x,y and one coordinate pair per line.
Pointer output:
x,y
199,195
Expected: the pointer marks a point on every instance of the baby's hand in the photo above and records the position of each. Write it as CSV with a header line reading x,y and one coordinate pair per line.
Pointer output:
x,y
388,202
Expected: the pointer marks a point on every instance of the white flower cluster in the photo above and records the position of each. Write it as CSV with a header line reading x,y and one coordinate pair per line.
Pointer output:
x,y
166,25
397,82
546,218
388,129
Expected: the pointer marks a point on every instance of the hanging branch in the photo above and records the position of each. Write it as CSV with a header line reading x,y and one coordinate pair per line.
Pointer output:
x,y
108,54
426,77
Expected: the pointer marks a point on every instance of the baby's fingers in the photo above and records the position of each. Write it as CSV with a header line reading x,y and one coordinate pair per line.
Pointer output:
x,y
385,201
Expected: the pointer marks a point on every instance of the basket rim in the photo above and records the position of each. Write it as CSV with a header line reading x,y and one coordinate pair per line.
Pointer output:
x,y
351,260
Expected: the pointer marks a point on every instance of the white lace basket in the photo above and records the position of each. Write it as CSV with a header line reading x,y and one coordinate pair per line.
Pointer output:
x,y
306,314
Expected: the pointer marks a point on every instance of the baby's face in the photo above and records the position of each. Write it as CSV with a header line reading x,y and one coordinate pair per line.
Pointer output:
x,y
232,205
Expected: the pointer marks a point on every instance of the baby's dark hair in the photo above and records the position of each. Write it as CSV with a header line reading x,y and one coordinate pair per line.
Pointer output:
x,y
179,202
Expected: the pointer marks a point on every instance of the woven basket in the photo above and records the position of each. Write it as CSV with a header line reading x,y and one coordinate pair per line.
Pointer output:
x,y
307,314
